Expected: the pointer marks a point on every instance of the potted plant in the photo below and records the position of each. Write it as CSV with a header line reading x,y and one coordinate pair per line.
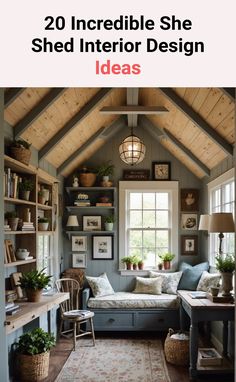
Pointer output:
x,y
43,224
135,261
33,351
20,150
140,264
43,195
33,282
25,187
167,258
109,222
12,219
87,177
128,261
105,171
225,264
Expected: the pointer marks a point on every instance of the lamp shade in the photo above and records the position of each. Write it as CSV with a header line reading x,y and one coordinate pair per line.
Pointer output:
x,y
204,222
132,150
221,222
72,221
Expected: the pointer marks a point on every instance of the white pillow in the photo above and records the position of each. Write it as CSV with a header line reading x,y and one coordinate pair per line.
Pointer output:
x,y
170,281
208,280
100,285
149,286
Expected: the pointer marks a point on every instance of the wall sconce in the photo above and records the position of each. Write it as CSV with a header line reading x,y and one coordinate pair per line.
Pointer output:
x,y
72,221
204,223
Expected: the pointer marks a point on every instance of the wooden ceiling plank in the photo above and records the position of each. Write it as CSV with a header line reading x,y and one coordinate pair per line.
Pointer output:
x,y
77,118
197,119
11,95
183,148
230,92
103,132
133,109
38,110
132,99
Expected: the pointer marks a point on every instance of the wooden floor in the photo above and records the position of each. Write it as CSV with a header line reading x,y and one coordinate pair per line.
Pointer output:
x,y
63,348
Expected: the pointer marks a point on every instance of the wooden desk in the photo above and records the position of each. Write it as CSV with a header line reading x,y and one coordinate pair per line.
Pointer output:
x,y
31,310
205,310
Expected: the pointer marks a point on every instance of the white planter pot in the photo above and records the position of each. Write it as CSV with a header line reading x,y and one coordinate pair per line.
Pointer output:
x,y
109,226
43,226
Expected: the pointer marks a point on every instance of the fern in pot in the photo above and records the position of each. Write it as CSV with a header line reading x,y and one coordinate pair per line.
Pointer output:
x,y
33,283
33,351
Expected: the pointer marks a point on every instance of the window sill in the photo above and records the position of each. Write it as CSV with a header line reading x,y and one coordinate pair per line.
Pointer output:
x,y
144,272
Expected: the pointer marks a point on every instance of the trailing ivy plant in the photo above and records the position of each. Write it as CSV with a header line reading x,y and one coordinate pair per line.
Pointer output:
x,y
35,342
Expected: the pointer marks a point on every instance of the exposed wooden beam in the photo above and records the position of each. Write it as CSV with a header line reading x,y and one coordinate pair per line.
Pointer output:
x,y
103,132
230,92
187,152
77,118
133,110
197,120
37,111
158,133
11,94
132,99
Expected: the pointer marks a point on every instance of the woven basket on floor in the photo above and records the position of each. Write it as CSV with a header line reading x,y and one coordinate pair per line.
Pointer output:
x,y
33,368
176,350
21,154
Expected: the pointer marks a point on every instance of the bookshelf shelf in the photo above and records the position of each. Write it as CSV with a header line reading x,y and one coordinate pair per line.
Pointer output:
x,y
19,232
44,207
20,262
18,201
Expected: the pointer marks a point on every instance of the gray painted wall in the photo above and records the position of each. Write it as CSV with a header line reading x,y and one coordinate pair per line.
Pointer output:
x,y
155,152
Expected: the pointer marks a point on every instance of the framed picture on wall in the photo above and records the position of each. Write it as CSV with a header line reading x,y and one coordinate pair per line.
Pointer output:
x,y
79,260
92,223
189,199
161,170
102,248
189,222
189,245
79,243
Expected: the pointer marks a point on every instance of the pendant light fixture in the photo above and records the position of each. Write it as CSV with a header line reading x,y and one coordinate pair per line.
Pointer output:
x,y
132,149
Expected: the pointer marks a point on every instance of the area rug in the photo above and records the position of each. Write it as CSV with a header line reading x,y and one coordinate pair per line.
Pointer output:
x,y
116,360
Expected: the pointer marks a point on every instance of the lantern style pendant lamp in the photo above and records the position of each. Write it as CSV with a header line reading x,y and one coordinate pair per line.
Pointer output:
x,y
132,149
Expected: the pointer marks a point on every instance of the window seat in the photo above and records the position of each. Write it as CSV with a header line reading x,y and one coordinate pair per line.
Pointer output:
x,y
126,311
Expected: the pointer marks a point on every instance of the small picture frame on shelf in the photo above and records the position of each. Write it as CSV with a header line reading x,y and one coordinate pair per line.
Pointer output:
x,y
92,223
161,170
79,243
189,222
79,260
102,248
189,199
189,245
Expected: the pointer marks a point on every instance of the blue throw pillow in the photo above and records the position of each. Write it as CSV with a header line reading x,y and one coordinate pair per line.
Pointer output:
x,y
191,275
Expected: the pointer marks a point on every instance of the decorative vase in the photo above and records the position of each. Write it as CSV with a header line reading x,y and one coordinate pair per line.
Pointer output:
x,y
33,295
87,179
166,264
227,283
33,368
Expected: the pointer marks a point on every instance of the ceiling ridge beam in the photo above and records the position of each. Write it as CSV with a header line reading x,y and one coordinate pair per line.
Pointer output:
x,y
99,134
187,152
10,95
77,118
132,99
38,110
197,120
133,109
230,92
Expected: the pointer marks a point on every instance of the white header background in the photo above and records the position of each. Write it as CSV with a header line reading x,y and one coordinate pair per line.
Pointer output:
x,y
213,23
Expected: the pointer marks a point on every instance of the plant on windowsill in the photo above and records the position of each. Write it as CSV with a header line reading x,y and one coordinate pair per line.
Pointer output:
x,y
33,351
225,264
34,282
128,261
166,259
25,187
135,261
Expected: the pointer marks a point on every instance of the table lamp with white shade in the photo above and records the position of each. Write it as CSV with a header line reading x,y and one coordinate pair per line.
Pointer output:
x,y
221,222
72,221
204,222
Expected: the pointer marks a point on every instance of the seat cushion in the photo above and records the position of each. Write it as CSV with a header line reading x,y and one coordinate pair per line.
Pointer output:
x,y
191,275
170,281
100,285
149,286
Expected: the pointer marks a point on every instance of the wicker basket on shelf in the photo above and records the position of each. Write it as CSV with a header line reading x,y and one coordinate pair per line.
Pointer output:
x,y
177,350
21,154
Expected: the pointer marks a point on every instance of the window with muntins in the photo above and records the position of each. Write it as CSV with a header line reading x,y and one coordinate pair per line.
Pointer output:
x,y
148,220
45,254
222,199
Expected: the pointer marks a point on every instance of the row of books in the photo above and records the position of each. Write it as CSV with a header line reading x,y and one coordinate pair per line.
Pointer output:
x,y
26,226
9,252
11,182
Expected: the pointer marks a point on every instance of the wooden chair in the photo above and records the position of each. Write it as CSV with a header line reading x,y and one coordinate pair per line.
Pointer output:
x,y
69,311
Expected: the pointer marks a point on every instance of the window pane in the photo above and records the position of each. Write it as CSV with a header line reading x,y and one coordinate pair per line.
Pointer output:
x,y
162,200
226,193
135,238
149,257
162,239
149,219
135,219
135,201
149,239
162,219
149,200
135,252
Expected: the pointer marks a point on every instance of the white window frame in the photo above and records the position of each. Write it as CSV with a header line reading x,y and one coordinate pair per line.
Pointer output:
x,y
227,177
51,257
171,187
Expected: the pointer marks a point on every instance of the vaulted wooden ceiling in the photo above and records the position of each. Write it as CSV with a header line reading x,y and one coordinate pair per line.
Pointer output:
x,y
66,126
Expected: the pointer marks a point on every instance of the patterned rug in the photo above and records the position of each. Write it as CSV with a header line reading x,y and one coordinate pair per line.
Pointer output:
x,y
116,360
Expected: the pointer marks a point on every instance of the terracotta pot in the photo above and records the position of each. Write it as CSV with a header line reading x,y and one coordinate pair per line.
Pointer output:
x,y
140,266
166,264
129,266
33,295
87,179
135,266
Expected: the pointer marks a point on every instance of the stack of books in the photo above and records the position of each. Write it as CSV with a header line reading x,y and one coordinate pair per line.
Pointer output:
x,y
27,226
11,308
7,227
82,203
10,296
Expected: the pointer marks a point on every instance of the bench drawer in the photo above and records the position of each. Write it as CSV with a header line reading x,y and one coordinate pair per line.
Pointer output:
x,y
110,320
158,320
